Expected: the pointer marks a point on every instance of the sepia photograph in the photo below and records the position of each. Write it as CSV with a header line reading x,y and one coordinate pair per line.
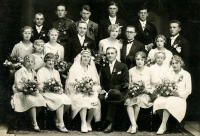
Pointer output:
x,y
100,67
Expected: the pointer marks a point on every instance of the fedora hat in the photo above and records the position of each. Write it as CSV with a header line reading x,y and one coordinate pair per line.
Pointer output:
x,y
114,95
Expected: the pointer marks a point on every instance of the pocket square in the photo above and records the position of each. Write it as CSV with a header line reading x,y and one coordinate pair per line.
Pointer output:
x,y
119,72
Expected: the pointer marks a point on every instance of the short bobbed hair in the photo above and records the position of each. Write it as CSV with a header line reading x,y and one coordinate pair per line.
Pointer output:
x,y
53,30
24,28
142,54
114,27
158,53
177,59
162,37
28,58
49,56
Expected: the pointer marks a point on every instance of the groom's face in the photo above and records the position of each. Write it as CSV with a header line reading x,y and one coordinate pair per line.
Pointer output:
x,y
111,54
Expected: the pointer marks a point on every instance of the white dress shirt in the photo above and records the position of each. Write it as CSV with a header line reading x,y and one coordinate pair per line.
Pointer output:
x,y
128,47
81,39
112,19
39,28
173,38
111,65
143,23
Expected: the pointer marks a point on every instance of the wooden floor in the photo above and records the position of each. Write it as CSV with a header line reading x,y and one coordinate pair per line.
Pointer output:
x,y
191,126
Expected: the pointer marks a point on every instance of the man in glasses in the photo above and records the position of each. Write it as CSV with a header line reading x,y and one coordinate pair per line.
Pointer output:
x,y
130,47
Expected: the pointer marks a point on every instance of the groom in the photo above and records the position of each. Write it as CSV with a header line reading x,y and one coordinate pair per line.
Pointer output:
x,y
114,76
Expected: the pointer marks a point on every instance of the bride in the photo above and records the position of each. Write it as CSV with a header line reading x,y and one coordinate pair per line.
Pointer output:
x,y
84,67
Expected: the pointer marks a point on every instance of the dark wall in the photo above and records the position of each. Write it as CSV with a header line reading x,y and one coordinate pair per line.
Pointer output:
x,y
17,13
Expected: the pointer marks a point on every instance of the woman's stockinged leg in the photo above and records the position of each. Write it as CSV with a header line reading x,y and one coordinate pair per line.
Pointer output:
x,y
90,115
83,113
32,113
165,118
136,111
131,115
59,115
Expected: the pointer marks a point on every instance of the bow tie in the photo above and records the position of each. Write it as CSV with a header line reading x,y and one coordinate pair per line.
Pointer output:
x,y
110,65
128,42
172,38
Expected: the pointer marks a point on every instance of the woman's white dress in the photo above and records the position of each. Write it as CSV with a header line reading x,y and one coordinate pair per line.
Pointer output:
x,y
53,100
143,100
21,102
79,100
58,49
176,105
105,44
168,55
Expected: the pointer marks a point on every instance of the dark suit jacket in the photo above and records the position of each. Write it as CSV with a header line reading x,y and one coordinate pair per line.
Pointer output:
x,y
148,35
129,60
103,28
185,49
42,35
117,79
73,47
66,28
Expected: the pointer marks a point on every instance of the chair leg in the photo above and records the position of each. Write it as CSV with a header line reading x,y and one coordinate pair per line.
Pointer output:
x,y
151,119
45,118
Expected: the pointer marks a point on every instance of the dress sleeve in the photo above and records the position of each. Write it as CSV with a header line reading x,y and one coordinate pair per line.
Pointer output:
x,y
18,79
14,51
40,79
188,86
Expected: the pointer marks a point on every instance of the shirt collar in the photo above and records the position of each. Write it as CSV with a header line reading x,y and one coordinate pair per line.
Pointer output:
x,y
174,37
39,26
81,37
143,22
113,63
112,18
85,21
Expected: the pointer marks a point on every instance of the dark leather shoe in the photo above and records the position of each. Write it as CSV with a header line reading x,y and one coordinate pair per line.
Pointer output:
x,y
109,129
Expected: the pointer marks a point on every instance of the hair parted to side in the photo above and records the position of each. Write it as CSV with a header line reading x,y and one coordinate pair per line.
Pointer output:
x,y
86,7
113,3
25,28
177,59
175,21
160,53
53,30
81,22
160,36
114,27
49,56
111,48
142,54
143,7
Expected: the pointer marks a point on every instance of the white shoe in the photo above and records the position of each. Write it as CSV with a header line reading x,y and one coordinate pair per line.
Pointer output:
x,y
84,128
161,130
89,127
129,130
134,129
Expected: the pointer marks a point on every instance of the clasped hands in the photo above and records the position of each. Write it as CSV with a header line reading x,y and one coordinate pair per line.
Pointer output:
x,y
104,92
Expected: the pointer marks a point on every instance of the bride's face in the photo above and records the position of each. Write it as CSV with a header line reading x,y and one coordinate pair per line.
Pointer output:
x,y
85,58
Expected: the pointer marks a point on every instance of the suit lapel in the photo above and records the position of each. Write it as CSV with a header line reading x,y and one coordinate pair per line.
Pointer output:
x,y
177,41
77,42
133,47
115,68
107,71
140,26
124,50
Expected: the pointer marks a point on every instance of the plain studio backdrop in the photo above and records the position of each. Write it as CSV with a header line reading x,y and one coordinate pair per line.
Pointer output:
x,y
15,14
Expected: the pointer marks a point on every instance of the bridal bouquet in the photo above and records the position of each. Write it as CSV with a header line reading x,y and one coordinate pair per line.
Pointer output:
x,y
84,86
135,89
52,86
150,62
29,86
61,66
13,62
165,88
99,58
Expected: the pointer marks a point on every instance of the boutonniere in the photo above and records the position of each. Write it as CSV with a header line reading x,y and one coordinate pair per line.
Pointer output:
x,y
91,29
114,70
147,27
180,78
176,46
42,34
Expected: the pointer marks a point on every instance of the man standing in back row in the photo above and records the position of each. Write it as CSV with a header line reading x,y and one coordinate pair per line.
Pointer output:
x,y
146,31
111,19
65,26
92,27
